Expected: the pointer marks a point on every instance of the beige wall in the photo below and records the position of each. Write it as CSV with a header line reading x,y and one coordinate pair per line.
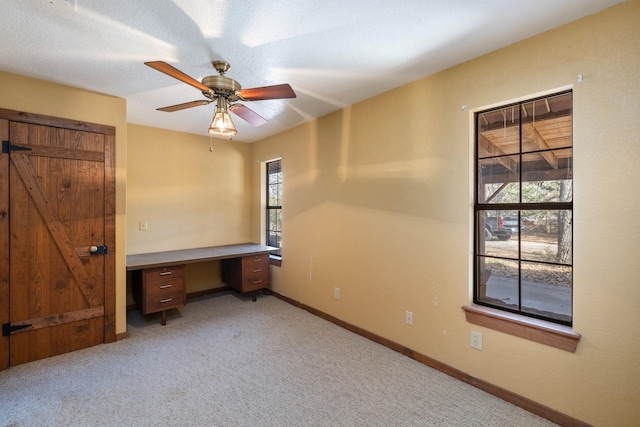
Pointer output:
x,y
188,196
385,214
40,97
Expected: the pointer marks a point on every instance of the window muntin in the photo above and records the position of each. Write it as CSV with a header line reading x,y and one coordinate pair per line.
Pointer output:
x,y
524,208
274,205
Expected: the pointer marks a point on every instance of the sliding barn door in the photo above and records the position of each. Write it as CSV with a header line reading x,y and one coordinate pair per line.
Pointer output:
x,y
58,235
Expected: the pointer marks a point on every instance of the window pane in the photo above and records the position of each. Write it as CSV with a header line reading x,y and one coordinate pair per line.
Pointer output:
x,y
274,239
275,195
273,169
546,290
547,123
498,282
484,235
274,183
275,220
546,176
500,237
499,132
547,236
499,180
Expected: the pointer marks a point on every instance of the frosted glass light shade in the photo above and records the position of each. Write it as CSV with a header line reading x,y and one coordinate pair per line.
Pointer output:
x,y
222,125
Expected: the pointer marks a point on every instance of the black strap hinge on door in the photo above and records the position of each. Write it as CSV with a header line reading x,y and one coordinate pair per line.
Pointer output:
x,y
7,147
8,328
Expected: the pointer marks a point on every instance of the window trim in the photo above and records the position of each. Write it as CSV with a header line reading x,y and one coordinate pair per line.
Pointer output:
x,y
275,260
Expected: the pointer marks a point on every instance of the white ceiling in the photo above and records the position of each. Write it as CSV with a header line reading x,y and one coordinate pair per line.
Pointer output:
x,y
333,53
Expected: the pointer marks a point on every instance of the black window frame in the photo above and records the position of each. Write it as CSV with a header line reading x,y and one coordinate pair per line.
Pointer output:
x,y
273,185
519,207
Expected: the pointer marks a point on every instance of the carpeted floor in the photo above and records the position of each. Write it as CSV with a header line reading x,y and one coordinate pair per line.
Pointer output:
x,y
227,361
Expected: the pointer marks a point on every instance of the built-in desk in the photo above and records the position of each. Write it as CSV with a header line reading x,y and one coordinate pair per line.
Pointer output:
x,y
159,276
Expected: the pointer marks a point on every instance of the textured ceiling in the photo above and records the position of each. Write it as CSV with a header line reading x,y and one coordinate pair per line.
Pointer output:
x,y
333,53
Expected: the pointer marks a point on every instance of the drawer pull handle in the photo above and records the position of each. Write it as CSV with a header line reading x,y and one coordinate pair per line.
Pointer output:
x,y
165,273
166,300
258,270
257,259
165,286
257,281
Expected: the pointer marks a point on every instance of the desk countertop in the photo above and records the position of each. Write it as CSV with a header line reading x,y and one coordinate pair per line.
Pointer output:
x,y
189,256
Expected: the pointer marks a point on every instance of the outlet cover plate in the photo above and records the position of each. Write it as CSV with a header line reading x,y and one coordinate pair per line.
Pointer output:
x,y
408,318
476,340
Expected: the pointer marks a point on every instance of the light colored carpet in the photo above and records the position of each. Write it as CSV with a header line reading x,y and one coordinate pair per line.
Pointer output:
x,y
227,361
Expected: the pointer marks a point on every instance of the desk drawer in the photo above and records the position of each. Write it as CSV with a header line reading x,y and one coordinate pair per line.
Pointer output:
x,y
255,266
255,282
164,301
163,272
159,288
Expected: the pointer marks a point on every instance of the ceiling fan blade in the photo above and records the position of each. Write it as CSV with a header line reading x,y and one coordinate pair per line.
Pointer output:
x,y
267,92
248,114
178,107
170,70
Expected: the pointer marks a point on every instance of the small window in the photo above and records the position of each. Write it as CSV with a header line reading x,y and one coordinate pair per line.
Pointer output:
x,y
524,208
274,205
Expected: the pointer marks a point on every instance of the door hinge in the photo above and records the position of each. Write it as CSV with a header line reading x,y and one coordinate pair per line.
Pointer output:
x,y
7,147
8,328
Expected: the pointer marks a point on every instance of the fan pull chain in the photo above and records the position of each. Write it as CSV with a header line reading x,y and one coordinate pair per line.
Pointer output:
x,y
210,144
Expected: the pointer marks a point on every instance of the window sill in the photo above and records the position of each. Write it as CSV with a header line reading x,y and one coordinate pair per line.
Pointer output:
x,y
275,260
554,335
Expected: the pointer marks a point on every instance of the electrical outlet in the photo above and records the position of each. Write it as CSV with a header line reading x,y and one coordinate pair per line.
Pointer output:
x,y
142,226
408,318
476,340
336,293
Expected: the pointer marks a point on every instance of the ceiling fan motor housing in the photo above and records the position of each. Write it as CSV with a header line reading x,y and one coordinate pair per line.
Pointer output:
x,y
220,85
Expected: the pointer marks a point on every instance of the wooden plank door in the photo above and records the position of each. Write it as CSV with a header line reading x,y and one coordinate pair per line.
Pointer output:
x,y
4,245
61,216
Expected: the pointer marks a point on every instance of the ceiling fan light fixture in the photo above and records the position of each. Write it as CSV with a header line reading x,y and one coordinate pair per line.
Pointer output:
x,y
222,124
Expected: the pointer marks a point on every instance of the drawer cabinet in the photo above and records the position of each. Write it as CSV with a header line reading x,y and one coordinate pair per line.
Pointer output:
x,y
246,274
159,289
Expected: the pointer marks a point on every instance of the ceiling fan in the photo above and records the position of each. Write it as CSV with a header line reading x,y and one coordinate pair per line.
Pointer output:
x,y
226,92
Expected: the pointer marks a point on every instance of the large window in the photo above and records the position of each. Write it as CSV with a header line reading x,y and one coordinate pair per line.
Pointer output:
x,y
274,205
524,208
